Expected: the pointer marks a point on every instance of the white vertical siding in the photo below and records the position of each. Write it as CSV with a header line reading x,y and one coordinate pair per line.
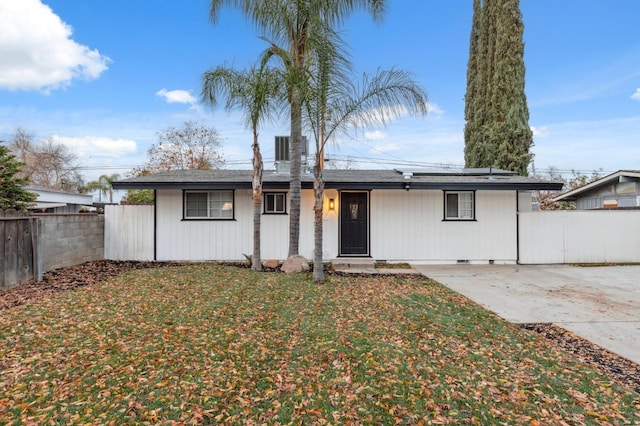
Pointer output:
x,y
405,226
230,240
274,236
330,226
179,239
128,232
409,226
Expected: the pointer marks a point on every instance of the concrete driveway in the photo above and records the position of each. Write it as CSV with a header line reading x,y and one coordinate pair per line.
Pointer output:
x,y
600,304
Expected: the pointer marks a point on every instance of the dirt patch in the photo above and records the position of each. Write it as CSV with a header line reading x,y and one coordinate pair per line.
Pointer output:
x,y
596,299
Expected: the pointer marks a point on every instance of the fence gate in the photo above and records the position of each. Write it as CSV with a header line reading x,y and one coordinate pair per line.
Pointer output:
x,y
19,236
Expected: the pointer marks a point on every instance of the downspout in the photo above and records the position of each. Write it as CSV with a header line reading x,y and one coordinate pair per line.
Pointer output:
x,y
155,225
517,227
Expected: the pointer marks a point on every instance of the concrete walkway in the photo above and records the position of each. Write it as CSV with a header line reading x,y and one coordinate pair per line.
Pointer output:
x,y
600,304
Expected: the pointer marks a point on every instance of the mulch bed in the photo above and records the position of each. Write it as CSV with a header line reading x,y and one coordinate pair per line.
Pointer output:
x,y
616,367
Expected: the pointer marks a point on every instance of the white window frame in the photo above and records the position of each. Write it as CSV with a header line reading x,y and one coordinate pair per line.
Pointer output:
x,y
275,209
220,205
465,205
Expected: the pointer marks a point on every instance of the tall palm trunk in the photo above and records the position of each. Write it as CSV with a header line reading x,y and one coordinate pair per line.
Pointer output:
x,y
295,153
318,192
256,183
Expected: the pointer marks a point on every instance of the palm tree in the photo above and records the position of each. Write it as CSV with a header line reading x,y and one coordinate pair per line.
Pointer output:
x,y
95,185
104,186
294,29
256,91
339,106
107,181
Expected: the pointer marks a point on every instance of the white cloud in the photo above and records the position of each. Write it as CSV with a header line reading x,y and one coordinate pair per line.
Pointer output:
x,y
37,50
389,147
97,146
375,135
636,95
540,132
177,96
434,109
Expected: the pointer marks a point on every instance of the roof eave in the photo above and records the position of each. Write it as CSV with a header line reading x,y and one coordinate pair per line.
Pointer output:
x,y
401,185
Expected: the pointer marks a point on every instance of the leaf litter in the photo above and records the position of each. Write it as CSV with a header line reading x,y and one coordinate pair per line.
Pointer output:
x,y
217,344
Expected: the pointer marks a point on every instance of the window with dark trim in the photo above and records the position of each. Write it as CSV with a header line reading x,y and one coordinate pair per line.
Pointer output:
x,y
459,205
275,202
208,204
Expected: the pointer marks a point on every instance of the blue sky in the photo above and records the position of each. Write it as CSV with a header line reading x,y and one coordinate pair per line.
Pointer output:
x,y
104,76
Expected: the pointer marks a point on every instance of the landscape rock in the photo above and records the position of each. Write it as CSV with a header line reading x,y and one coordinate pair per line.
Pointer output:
x,y
271,263
295,264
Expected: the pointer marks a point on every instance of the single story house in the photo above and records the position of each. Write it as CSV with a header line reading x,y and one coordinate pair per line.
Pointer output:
x,y
469,216
54,201
615,191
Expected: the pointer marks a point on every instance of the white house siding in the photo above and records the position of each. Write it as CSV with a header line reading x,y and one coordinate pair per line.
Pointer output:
x,y
230,240
580,236
404,226
409,226
128,233
179,239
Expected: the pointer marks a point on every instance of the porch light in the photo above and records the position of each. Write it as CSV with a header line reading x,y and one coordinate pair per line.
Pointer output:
x,y
332,204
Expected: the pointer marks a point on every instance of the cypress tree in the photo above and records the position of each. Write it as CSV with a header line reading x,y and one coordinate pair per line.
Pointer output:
x,y
497,133
12,192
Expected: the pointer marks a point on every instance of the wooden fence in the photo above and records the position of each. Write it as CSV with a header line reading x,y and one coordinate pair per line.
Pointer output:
x,y
19,252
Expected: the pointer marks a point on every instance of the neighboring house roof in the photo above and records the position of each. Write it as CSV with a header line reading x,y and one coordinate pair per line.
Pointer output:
x,y
467,179
49,198
619,176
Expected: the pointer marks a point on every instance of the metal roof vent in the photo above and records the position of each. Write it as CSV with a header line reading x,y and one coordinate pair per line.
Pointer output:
x,y
282,148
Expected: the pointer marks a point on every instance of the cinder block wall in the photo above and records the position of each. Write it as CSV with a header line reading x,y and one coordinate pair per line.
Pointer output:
x,y
70,239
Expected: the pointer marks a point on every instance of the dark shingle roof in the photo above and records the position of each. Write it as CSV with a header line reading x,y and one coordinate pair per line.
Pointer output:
x,y
341,179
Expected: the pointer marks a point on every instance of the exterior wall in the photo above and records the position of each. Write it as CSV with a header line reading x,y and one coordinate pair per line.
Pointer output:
x,y
179,239
569,236
230,240
625,194
70,239
409,226
128,232
404,226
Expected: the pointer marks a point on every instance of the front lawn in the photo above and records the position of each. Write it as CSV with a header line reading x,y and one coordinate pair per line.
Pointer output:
x,y
214,344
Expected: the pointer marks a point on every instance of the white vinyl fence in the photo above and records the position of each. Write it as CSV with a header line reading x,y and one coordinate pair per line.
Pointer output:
x,y
579,236
128,232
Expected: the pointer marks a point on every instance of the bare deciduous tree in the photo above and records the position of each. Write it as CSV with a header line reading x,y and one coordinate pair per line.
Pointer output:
x,y
46,163
190,147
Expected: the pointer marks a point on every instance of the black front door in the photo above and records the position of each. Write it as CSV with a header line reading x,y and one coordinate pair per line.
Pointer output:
x,y
354,223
